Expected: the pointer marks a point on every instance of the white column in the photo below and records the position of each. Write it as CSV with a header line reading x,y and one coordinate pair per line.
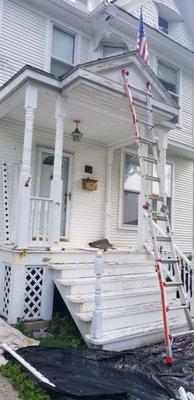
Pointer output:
x,y
162,145
23,217
142,222
97,320
56,183
109,161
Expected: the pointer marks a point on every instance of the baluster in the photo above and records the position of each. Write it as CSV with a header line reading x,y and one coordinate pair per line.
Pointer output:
x,y
45,220
97,320
39,206
32,219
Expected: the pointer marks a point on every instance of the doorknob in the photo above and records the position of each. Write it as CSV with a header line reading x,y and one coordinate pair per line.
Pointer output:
x,y
68,195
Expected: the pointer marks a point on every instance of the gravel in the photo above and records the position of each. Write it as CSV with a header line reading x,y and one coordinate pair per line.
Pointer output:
x,y
6,390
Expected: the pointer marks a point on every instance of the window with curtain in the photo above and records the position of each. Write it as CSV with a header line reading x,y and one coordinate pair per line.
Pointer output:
x,y
132,181
62,54
132,186
113,49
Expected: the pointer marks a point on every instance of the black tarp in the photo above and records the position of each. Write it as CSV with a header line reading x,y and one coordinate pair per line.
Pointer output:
x,y
139,374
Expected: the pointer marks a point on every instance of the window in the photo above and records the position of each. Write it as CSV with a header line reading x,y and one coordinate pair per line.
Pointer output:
x,y
169,77
163,24
132,185
112,50
132,182
62,54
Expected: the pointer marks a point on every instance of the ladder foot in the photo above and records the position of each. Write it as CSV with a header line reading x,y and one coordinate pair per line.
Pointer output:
x,y
169,360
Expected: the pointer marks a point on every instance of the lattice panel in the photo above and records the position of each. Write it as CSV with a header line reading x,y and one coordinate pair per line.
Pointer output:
x,y
6,290
33,293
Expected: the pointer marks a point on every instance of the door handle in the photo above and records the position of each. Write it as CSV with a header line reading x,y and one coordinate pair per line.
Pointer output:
x,y
68,195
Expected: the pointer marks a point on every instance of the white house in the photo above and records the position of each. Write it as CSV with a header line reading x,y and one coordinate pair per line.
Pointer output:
x,y
60,68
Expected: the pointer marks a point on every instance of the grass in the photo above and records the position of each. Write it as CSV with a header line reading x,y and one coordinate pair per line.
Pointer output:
x,y
65,334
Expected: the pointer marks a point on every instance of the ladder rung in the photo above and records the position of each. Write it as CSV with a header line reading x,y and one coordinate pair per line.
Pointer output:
x,y
163,239
150,160
173,284
181,307
158,217
191,332
152,178
142,106
167,260
145,123
155,197
147,141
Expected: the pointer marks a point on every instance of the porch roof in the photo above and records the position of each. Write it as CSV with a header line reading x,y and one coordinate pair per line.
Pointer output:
x,y
97,101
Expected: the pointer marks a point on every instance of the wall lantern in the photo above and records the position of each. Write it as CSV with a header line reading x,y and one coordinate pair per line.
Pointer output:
x,y
76,135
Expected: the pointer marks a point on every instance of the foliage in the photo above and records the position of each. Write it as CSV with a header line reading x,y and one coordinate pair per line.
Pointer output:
x,y
28,389
65,333
20,325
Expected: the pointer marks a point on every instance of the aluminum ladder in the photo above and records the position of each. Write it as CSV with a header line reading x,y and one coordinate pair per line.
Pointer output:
x,y
152,164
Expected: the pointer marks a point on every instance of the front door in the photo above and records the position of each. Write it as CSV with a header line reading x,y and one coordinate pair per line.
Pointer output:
x,y
46,162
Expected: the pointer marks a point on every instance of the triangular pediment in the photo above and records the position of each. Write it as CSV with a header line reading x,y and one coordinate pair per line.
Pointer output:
x,y
139,74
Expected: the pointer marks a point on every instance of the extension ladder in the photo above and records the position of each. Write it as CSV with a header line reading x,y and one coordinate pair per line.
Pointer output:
x,y
152,164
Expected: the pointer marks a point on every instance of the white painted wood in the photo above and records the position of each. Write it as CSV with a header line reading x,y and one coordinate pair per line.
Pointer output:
x,y
97,318
109,161
25,177
192,298
56,183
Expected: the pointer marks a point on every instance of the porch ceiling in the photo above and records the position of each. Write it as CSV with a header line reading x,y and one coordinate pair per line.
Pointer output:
x,y
99,104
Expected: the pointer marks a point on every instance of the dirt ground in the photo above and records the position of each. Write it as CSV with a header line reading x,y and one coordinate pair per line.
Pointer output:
x,y
6,390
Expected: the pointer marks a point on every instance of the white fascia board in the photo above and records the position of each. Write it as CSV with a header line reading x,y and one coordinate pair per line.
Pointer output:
x,y
23,77
180,150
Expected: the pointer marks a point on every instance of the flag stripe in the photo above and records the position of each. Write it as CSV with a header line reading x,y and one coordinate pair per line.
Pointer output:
x,y
142,44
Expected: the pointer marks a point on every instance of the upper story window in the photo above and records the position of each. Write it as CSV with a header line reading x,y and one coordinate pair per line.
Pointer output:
x,y
113,49
62,54
163,24
169,76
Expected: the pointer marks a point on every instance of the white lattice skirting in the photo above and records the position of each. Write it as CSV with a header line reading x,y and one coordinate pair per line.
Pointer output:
x,y
33,293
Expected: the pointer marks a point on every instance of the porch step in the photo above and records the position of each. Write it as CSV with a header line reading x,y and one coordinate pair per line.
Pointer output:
x,y
135,336
87,269
123,317
118,282
113,299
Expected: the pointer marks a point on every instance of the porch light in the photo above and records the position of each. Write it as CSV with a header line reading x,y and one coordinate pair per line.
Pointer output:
x,y
76,134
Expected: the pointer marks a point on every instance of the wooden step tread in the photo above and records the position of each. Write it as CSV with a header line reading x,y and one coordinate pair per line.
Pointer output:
x,y
135,331
83,298
116,312
109,278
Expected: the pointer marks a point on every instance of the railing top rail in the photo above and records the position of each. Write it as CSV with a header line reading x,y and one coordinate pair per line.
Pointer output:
x,y
41,198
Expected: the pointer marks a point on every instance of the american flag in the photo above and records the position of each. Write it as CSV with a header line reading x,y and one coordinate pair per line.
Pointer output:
x,y
142,44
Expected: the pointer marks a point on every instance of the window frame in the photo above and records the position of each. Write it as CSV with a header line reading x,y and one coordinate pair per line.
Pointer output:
x,y
179,95
129,227
160,27
115,45
70,33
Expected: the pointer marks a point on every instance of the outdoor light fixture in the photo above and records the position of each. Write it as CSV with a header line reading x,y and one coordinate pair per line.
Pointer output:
x,y
76,134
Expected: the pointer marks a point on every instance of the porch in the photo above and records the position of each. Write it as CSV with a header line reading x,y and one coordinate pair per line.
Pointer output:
x,y
50,203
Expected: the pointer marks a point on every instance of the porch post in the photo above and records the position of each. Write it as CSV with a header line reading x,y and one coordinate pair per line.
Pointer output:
x,y
23,217
142,233
109,161
56,183
162,146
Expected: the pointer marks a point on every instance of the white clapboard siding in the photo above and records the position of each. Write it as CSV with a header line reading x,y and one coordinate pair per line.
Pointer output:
x,y
182,205
22,39
184,133
84,50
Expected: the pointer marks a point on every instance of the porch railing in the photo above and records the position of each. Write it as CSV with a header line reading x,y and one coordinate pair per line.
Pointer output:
x,y
40,223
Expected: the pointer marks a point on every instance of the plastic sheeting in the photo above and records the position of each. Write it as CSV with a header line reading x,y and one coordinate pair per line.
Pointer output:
x,y
139,374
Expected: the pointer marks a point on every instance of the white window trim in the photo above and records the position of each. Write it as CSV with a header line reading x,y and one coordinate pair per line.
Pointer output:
x,y
180,73
49,39
121,193
112,44
122,226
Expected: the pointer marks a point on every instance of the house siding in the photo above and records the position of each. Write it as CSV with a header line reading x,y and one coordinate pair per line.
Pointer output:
x,y
183,170
87,208
23,36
